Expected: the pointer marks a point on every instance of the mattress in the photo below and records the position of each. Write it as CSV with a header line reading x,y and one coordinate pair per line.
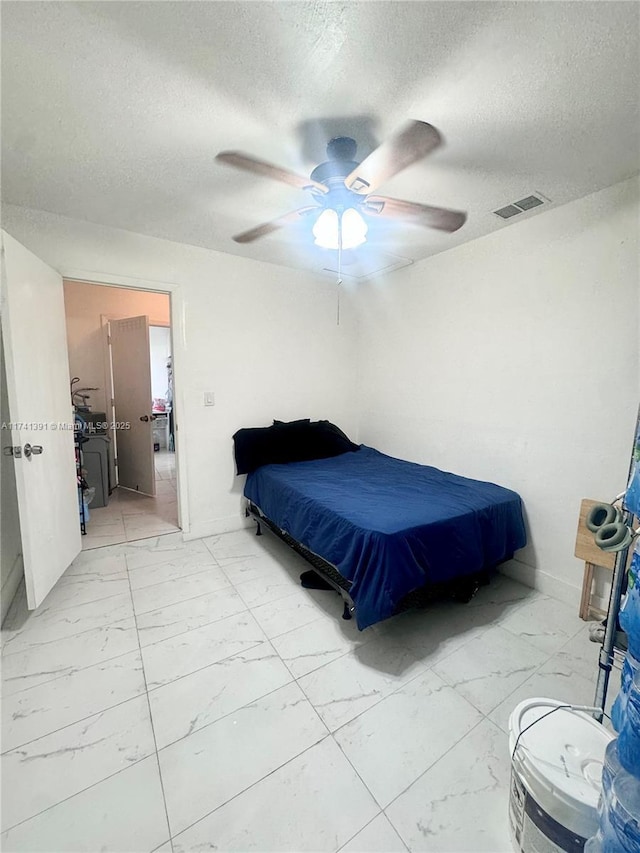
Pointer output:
x,y
389,526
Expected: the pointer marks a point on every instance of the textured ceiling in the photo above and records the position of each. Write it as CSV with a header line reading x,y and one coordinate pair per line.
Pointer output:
x,y
113,112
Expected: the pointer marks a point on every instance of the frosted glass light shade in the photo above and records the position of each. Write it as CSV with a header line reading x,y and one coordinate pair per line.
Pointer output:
x,y
326,229
354,229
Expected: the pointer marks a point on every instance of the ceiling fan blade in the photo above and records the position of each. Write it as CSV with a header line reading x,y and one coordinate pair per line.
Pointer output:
x,y
274,225
268,170
420,214
413,142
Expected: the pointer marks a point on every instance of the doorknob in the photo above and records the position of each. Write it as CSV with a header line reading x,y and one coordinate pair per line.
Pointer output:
x,y
34,450
144,417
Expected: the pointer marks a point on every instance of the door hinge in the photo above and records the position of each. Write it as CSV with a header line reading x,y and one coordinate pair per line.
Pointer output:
x,y
109,339
113,402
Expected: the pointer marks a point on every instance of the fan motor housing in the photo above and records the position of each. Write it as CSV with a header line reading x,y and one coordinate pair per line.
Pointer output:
x,y
333,169
340,152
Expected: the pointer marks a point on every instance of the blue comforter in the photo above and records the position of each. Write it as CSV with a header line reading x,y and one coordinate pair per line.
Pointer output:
x,y
387,525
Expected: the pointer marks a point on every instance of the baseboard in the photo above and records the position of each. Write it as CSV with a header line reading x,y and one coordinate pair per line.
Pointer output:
x,y
543,582
10,586
217,526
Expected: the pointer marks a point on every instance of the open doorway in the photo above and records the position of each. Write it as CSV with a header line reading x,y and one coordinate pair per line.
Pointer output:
x,y
120,356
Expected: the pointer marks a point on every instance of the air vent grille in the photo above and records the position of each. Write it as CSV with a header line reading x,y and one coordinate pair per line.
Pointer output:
x,y
528,202
508,211
516,207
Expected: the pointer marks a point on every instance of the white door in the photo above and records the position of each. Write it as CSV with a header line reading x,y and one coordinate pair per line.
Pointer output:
x,y
131,366
35,340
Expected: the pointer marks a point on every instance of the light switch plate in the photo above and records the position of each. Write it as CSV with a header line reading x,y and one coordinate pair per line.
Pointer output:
x,y
209,398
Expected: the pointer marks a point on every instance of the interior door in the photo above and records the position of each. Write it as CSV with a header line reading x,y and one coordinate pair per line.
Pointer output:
x,y
37,366
131,367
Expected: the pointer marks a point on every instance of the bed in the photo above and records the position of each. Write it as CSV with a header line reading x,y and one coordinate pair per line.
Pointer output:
x,y
384,532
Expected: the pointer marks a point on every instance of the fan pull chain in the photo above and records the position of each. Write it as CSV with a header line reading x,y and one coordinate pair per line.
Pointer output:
x,y
339,265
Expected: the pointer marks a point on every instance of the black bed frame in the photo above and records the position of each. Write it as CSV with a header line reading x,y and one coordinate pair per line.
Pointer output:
x,y
461,589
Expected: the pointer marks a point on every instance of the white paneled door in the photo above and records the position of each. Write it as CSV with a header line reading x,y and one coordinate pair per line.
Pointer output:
x,y
131,366
38,440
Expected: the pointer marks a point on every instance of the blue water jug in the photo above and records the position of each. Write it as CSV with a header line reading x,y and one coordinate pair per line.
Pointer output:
x,y
621,829
629,737
630,609
618,808
594,845
619,711
610,768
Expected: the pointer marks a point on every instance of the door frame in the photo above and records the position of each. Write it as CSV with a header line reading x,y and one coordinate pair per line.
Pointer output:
x,y
178,353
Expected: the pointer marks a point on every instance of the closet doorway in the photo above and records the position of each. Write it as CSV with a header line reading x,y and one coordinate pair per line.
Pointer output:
x,y
121,366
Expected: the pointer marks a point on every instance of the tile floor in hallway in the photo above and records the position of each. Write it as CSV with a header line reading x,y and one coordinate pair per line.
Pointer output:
x,y
176,696
130,515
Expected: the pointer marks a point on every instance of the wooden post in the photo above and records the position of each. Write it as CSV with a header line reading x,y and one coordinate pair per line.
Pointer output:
x,y
587,583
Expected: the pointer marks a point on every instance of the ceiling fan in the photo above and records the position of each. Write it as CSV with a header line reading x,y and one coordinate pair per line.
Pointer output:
x,y
342,189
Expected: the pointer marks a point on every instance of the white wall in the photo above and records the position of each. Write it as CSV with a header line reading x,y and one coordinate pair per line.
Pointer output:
x,y
84,304
514,358
263,338
11,567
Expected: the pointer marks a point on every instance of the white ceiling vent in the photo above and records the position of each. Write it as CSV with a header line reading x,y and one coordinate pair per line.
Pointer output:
x,y
521,206
508,211
529,202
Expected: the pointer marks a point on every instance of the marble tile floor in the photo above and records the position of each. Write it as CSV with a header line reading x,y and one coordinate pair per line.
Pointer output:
x,y
186,696
130,515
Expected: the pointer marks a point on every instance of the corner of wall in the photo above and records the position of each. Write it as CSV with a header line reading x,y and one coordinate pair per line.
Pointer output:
x,y
542,581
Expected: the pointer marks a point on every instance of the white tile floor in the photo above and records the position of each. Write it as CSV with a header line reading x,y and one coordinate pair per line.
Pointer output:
x,y
175,696
129,515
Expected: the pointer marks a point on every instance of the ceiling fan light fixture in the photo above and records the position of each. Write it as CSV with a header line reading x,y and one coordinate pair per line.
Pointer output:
x,y
341,183
354,229
325,229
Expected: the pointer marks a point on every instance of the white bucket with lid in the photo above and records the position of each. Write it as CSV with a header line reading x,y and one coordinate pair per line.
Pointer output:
x,y
556,776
